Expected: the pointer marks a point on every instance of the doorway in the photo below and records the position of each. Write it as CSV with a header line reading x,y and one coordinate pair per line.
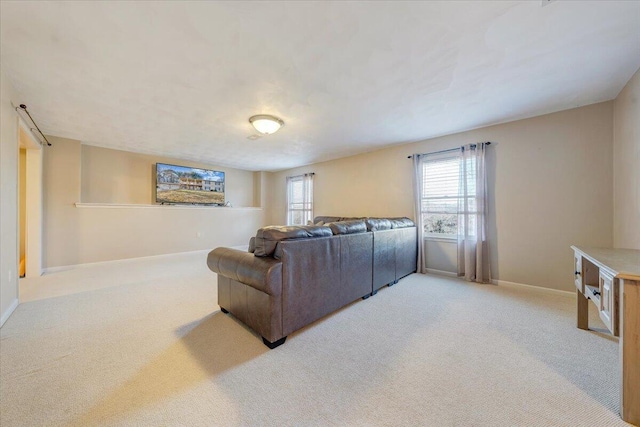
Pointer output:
x,y
30,203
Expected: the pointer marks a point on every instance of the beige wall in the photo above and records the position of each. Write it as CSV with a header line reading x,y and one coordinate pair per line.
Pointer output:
x,y
115,176
77,235
626,172
9,201
441,255
551,178
61,177
264,193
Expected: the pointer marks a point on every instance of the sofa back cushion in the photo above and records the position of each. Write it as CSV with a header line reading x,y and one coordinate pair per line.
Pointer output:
x,y
348,227
403,222
377,224
372,224
267,238
353,218
325,219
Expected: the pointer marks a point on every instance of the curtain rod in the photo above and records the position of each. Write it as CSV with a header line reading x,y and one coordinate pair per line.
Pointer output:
x,y
24,108
302,174
446,151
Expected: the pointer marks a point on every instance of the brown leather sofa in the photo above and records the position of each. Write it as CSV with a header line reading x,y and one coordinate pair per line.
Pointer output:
x,y
395,248
295,275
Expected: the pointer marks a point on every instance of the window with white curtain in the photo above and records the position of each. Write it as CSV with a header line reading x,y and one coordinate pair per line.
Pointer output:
x,y
440,194
299,199
450,195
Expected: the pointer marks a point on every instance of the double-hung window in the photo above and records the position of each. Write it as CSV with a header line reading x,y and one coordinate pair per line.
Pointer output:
x,y
444,206
440,183
299,199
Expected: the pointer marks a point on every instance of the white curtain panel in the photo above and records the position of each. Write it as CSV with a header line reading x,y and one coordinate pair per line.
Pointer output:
x,y
473,255
417,209
307,182
289,199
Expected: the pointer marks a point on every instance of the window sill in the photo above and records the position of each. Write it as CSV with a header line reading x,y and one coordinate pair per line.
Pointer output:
x,y
447,239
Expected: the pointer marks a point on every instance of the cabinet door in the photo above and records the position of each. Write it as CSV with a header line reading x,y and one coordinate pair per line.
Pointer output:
x,y
577,271
609,301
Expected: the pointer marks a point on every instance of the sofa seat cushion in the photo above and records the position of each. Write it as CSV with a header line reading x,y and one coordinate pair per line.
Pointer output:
x,y
267,238
348,227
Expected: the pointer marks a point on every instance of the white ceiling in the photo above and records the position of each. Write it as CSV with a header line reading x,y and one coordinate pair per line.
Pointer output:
x,y
182,78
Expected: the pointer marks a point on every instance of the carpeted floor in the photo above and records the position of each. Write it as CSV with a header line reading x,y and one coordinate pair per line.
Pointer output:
x,y
430,351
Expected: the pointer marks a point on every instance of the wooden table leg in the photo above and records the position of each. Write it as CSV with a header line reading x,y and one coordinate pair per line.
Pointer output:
x,y
630,350
583,311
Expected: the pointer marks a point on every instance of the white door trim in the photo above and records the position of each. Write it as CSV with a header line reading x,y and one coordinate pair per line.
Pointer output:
x,y
34,203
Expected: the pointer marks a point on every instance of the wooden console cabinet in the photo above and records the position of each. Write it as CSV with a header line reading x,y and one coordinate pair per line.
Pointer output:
x,y
610,278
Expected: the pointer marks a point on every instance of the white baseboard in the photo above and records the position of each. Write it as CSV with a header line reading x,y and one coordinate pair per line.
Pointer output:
x,y
441,272
504,283
50,270
9,312
508,284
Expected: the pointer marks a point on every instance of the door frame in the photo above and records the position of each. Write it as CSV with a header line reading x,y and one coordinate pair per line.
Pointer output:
x,y
34,200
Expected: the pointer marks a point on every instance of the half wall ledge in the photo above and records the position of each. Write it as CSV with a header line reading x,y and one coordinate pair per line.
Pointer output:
x,y
158,206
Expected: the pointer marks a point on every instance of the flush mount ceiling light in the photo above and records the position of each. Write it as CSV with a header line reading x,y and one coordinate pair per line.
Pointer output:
x,y
266,124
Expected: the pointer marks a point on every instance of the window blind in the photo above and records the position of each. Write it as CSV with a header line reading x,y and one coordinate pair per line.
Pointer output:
x,y
441,198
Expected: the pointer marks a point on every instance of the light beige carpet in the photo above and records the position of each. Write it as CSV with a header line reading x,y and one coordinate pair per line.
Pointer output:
x,y
429,351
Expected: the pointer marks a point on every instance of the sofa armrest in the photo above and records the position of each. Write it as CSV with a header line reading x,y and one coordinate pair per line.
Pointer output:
x,y
261,273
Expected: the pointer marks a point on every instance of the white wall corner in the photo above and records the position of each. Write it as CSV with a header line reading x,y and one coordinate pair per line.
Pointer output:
x,y
9,312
